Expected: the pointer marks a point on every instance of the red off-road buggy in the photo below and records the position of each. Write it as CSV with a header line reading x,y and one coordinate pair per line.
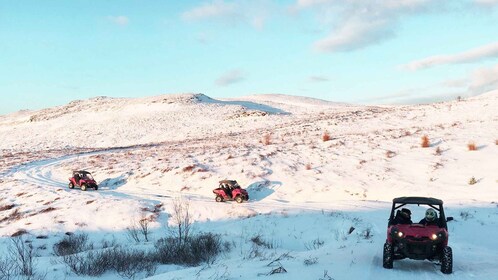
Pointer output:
x,y
82,179
416,241
230,190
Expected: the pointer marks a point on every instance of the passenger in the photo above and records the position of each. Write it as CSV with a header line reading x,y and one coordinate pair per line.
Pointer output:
x,y
430,218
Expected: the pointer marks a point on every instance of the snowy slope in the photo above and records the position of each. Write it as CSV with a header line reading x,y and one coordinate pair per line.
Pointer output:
x,y
306,193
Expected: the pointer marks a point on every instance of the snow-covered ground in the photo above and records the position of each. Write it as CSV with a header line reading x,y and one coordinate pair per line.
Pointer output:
x,y
313,169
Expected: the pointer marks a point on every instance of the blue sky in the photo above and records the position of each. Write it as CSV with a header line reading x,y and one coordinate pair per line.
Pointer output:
x,y
358,51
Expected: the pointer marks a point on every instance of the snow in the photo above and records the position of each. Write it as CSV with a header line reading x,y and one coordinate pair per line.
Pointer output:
x,y
305,193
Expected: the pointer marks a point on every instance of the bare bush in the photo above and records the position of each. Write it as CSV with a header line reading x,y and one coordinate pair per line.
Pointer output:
x,y
8,268
181,219
140,228
23,255
72,244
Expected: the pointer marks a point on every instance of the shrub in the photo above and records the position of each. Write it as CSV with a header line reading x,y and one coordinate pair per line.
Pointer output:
x,y
126,262
438,151
425,141
310,261
472,146
72,244
325,136
194,250
308,166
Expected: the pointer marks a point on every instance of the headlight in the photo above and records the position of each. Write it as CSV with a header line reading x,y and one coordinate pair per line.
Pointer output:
x,y
433,236
400,234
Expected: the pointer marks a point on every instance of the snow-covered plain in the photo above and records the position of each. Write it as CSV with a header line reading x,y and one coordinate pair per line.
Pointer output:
x,y
313,169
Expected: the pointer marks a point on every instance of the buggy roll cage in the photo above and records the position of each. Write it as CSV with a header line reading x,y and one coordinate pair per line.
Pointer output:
x,y
434,203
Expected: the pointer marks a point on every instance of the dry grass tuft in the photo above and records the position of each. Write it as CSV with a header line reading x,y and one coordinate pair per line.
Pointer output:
x,y
325,136
307,166
188,168
6,207
472,146
19,233
438,151
46,210
390,154
425,141
266,139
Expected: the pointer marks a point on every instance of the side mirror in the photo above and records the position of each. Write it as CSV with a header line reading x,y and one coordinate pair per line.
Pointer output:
x,y
449,219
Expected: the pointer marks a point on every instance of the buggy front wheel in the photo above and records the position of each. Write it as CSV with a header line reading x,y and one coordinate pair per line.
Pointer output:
x,y
219,198
447,260
387,259
239,199
71,185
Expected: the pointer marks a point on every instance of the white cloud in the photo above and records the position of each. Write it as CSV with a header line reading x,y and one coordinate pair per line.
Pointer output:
x,y
214,9
254,13
355,24
484,79
473,55
353,35
318,79
119,20
486,2
230,77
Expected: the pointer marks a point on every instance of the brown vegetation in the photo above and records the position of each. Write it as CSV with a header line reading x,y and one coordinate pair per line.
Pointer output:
x,y
425,141
472,146
6,207
325,136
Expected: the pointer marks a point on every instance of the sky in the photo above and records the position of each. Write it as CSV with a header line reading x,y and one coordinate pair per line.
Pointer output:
x,y
355,51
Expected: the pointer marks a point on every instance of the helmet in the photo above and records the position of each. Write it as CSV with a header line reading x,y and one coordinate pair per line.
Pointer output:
x,y
405,212
430,215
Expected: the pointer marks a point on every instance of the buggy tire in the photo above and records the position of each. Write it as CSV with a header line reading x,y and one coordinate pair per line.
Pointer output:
x,y
219,198
83,187
96,187
388,256
71,185
239,199
447,260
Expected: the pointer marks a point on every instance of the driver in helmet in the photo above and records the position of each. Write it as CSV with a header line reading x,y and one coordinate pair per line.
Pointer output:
x,y
430,218
403,216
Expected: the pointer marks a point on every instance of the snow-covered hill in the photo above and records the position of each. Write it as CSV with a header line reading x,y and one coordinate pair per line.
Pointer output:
x,y
314,170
